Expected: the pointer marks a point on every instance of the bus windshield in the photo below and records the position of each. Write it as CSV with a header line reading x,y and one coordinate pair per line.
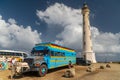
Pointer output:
x,y
38,53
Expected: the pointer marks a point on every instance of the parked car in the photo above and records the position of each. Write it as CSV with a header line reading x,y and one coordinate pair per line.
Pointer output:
x,y
81,61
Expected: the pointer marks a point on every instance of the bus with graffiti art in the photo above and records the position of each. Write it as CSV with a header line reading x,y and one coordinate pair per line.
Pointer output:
x,y
45,56
9,54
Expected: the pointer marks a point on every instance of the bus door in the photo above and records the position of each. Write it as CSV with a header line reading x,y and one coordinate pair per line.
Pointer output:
x,y
47,57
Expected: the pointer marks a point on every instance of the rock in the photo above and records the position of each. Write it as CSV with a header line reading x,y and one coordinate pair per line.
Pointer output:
x,y
108,66
102,67
72,70
69,73
90,69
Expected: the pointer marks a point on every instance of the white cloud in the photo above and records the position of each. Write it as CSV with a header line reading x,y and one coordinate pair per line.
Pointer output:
x,y
17,37
70,20
12,21
61,15
0,17
106,41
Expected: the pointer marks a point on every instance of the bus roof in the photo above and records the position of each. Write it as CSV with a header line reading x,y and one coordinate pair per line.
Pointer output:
x,y
12,51
54,45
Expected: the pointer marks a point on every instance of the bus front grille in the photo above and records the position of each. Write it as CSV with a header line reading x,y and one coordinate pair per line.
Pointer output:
x,y
29,61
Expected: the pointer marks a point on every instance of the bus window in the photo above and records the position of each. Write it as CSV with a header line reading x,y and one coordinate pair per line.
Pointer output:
x,y
49,52
4,53
62,54
25,55
8,54
58,54
12,54
55,54
38,53
52,53
1,53
17,54
46,51
20,54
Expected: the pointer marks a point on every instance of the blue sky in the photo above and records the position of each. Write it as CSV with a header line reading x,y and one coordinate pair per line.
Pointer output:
x,y
106,13
24,23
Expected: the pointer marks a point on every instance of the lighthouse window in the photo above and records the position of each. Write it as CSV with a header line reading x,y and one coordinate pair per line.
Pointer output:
x,y
84,32
83,22
84,43
83,14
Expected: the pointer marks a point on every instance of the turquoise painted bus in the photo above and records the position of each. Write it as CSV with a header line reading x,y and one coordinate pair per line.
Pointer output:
x,y
46,56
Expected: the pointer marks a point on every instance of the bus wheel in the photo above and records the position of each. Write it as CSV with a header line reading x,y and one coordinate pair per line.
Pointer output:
x,y
42,70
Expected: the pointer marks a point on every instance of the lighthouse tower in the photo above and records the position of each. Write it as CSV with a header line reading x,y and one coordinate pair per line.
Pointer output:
x,y
87,53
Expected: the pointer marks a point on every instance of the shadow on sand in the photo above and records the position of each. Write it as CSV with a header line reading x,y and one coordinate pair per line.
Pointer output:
x,y
35,74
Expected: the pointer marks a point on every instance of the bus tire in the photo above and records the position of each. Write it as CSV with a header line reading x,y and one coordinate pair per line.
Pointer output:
x,y
42,70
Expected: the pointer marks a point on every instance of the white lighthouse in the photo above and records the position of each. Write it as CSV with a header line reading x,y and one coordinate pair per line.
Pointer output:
x,y
87,53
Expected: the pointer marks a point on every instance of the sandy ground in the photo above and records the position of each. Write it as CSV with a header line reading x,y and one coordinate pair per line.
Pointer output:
x,y
112,73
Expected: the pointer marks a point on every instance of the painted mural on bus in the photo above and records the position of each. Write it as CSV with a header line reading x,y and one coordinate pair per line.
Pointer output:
x,y
45,56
